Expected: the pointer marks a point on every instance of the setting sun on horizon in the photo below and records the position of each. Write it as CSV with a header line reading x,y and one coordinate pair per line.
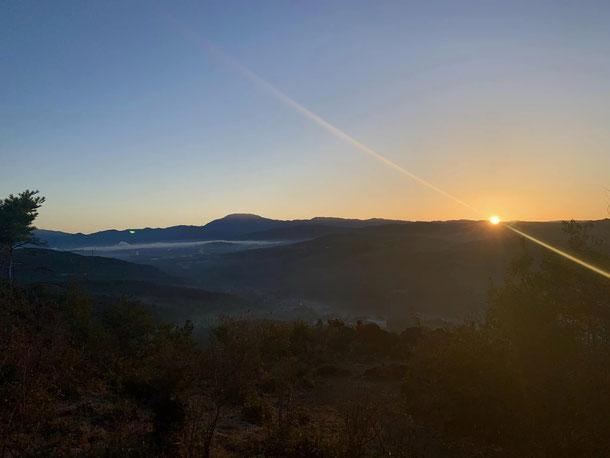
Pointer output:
x,y
177,106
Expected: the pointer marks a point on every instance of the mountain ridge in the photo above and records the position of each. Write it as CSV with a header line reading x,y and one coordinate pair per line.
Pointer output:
x,y
235,226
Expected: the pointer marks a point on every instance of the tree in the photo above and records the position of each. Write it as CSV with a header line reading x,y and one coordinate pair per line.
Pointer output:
x,y
17,213
554,319
129,322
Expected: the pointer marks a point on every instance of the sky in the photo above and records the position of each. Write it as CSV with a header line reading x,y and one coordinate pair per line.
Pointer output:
x,y
122,117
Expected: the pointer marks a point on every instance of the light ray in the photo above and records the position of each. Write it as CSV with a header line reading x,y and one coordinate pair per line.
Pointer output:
x,y
559,252
349,139
264,84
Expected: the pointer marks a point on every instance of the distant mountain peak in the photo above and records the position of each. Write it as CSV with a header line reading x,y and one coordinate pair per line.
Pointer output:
x,y
243,216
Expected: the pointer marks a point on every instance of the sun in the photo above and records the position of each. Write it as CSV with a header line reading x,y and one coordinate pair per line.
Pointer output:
x,y
494,220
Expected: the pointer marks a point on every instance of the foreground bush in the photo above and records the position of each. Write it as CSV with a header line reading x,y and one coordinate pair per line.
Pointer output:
x,y
531,379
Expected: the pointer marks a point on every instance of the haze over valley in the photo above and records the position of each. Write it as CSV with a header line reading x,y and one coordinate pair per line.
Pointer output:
x,y
386,271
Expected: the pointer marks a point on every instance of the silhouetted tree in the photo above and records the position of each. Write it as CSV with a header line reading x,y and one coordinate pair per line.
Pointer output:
x,y
17,213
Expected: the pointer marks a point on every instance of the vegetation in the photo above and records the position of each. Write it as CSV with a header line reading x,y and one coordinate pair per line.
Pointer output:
x,y
80,378
532,379
17,213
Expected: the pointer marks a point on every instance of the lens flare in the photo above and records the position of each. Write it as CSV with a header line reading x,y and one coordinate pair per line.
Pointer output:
x,y
264,84
595,269
208,46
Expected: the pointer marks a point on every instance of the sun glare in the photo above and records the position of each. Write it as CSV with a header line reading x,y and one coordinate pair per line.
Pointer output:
x,y
494,220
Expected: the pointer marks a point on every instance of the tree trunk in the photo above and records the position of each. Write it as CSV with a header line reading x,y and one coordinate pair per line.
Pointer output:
x,y
10,266
210,431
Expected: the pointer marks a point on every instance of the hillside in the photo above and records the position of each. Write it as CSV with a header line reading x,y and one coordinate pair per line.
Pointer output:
x,y
173,302
437,269
298,232
107,279
43,265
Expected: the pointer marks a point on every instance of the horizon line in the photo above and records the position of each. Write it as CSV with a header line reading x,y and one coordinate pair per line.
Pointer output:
x,y
389,220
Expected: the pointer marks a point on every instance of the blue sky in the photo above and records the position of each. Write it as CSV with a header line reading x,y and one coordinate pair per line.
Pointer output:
x,y
121,118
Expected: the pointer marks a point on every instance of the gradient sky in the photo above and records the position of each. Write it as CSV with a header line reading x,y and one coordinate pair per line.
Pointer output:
x,y
121,118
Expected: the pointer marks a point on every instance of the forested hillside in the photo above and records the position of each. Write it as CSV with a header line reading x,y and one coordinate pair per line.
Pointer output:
x,y
531,379
436,269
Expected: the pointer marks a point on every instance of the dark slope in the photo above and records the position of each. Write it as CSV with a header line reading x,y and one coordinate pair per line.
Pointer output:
x,y
299,232
108,279
439,268
42,265
172,302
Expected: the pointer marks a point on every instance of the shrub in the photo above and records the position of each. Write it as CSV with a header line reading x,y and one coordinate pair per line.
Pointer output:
x,y
256,409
